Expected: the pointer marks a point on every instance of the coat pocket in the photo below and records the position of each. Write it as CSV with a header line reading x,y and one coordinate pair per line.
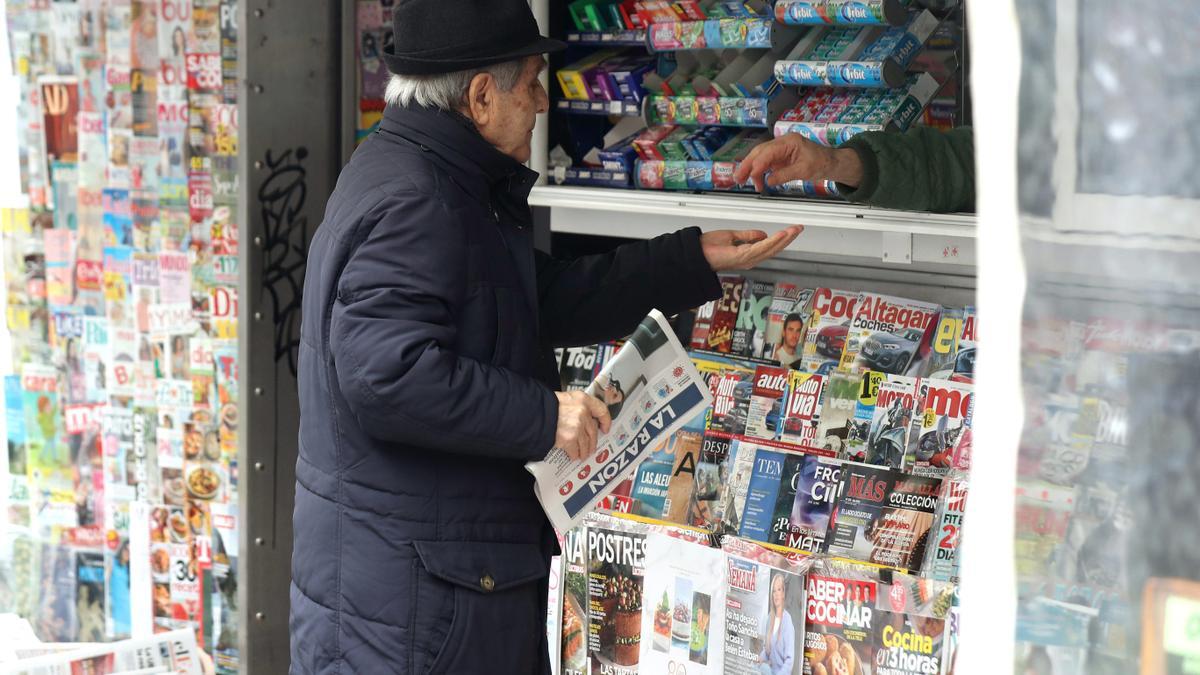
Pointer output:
x,y
499,616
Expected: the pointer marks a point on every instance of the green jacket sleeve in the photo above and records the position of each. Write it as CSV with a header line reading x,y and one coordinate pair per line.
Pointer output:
x,y
921,170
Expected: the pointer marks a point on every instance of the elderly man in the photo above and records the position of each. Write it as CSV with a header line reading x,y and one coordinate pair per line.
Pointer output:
x,y
427,378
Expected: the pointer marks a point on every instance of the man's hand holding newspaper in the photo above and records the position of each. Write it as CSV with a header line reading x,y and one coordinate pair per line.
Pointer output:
x,y
648,391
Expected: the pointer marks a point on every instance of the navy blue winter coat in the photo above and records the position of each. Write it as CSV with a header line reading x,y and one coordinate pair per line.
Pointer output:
x,y
426,382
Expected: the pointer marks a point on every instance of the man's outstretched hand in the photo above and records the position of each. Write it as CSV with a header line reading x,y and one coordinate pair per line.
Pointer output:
x,y
733,250
794,157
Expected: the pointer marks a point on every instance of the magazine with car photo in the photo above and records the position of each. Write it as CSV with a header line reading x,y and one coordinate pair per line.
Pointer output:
x,y
889,334
829,315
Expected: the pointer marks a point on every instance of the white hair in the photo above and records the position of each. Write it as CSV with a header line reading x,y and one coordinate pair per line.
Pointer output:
x,y
447,91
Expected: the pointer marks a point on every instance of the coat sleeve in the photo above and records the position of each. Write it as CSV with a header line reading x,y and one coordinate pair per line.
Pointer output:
x,y
921,170
603,297
391,334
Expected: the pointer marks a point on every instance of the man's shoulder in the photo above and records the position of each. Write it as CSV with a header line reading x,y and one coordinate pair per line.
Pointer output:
x,y
390,168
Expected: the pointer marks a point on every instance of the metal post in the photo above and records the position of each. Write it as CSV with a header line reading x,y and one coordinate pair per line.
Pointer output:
x,y
291,151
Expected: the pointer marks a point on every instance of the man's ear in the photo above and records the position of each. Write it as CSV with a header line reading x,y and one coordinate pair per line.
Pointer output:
x,y
481,99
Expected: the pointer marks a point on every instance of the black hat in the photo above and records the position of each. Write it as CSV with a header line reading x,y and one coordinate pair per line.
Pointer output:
x,y
440,36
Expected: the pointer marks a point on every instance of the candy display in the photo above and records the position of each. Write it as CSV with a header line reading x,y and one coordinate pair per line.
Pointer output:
x,y
831,117
856,12
843,56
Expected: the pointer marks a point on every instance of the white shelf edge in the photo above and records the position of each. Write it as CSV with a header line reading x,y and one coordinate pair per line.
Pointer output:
x,y
751,209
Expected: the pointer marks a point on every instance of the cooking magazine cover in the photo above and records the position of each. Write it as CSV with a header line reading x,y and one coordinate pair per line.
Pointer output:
x,y
883,516
765,408
786,320
764,610
802,413
683,614
828,324
897,404
911,623
944,414
889,334
816,494
841,623
725,315
574,602
750,333
616,561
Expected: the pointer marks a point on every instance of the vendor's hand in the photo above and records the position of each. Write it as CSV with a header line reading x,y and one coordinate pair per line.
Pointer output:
x,y
794,157
580,418
731,250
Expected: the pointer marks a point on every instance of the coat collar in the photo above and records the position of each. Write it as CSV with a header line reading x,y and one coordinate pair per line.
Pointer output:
x,y
453,138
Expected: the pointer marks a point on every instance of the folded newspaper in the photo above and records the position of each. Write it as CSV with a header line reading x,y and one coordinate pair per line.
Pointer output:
x,y
171,653
651,389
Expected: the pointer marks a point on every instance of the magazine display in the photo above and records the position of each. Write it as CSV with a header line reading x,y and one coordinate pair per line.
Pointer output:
x,y
712,475
786,322
765,408
912,626
651,389
665,482
802,413
945,412
765,611
889,334
858,439
883,516
683,613
952,353
750,333
575,603
616,565
731,402
828,327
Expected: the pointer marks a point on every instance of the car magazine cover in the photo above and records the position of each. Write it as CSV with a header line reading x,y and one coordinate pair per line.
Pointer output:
x,y
911,623
889,334
952,351
828,324
883,516
769,391
725,315
944,419
712,475
574,602
897,404
839,401
731,394
943,555
816,494
802,412
616,565
764,610
786,320
683,613
841,619
750,333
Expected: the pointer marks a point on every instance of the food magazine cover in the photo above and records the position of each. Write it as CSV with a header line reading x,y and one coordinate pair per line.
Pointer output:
x,y
616,565
828,324
683,614
841,623
725,315
944,414
786,320
750,332
765,610
802,412
574,658
889,334
911,622
767,396
883,516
